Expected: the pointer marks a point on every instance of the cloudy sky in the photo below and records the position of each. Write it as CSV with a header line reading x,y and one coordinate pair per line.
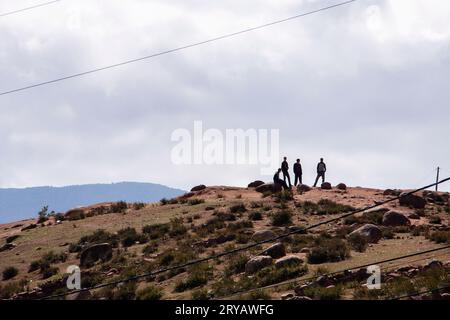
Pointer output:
x,y
365,85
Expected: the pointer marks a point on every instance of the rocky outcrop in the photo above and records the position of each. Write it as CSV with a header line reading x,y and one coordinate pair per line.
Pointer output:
x,y
269,187
94,253
263,235
326,186
275,251
412,201
395,219
257,263
370,232
255,184
7,247
288,261
391,192
198,188
341,186
303,188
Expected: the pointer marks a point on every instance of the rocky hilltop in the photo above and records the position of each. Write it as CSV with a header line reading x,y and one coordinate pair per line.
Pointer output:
x,y
116,240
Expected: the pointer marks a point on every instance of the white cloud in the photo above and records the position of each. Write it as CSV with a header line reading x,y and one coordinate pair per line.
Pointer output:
x,y
364,85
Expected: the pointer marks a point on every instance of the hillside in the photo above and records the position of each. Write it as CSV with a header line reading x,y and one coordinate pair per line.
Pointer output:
x,y
139,238
17,204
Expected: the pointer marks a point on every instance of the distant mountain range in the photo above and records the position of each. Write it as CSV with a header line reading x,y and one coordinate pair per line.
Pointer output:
x,y
19,204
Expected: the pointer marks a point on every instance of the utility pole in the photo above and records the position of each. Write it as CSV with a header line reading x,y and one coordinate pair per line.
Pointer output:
x,y
437,178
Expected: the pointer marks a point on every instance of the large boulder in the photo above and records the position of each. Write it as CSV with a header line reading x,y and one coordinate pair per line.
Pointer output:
x,y
303,188
326,186
198,188
370,232
7,247
75,214
395,219
276,251
269,187
263,235
94,253
412,200
255,184
288,261
435,196
257,263
391,192
341,186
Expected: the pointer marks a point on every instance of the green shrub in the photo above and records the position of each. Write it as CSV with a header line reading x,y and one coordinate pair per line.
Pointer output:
x,y
118,207
48,272
435,219
200,294
236,264
149,293
9,273
284,196
238,208
156,231
236,226
195,201
177,227
255,216
321,293
129,236
150,248
440,236
198,275
358,242
328,250
282,218
98,236
272,275
138,206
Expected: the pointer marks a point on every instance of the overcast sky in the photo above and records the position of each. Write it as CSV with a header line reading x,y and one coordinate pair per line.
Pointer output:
x,y
366,86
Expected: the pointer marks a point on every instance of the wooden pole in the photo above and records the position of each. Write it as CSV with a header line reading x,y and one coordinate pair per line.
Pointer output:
x,y
437,178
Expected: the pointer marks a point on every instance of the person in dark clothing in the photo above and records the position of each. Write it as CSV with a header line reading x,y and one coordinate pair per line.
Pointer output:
x,y
277,180
321,169
285,170
298,173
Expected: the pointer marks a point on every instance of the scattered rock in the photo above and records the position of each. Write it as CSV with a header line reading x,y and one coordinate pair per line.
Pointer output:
x,y
288,261
29,227
300,290
370,232
94,253
12,238
395,219
390,192
257,263
256,184
303,188
301,298
414,216
198,188
435,196
275,251
305,250
287,296
412,200
342,186
326,186
433,264
263,235
80,296
7,247
269,187
215,241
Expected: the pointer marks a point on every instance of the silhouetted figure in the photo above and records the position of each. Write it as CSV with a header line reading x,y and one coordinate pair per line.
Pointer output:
x,y
277,180
321,169
285,170
298,173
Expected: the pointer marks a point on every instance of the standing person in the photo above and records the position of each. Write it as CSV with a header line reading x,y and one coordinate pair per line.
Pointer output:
x,y
298,173
321,169
285,169
277,180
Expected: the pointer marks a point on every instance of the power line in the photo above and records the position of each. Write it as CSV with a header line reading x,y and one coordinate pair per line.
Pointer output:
x,y
298,279
228,35
28,8
243,248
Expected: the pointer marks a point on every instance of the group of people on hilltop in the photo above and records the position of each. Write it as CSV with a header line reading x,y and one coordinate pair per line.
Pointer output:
x,y
298,172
